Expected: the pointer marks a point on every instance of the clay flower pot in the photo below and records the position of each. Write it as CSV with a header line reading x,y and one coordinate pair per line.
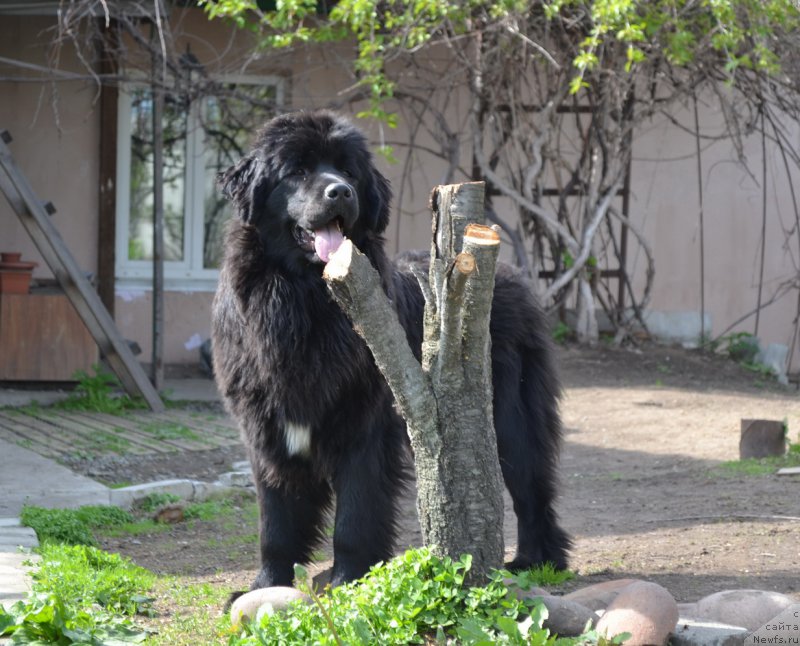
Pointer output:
x,y
15,275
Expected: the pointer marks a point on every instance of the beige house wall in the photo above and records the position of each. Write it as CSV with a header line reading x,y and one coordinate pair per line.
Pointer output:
x,y
55,127
56,143
665,203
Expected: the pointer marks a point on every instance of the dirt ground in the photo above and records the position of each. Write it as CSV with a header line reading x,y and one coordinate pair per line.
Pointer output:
x,y
643,493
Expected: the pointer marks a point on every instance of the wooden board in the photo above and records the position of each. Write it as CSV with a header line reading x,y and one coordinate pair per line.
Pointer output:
x,y
42,338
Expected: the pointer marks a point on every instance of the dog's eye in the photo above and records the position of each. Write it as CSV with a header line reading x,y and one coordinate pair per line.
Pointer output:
x,y
348,174
299,172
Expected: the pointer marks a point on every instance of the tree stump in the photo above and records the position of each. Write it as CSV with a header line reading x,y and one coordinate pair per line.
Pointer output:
x,y
762,438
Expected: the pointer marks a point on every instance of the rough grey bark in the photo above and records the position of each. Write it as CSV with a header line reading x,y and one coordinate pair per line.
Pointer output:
x,y
447,401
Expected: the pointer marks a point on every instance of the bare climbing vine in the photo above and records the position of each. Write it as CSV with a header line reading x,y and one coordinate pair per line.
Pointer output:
x,y
542,100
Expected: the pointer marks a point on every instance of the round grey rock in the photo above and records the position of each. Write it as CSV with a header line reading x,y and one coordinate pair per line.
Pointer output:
x,y
567,618
599,595
749,609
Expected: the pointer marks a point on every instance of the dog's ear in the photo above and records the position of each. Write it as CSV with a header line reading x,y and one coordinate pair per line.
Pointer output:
x,y
379,198
236,184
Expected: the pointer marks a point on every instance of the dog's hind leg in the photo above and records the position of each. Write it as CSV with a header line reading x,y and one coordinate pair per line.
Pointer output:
x,y
528,437
291,526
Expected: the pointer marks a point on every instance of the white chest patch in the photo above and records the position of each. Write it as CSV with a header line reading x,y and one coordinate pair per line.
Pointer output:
x,y
298,439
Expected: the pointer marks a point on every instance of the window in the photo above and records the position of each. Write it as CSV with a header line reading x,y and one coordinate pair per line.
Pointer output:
x,y
201,137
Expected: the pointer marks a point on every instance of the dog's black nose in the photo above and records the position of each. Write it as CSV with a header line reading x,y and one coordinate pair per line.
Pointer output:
x,y
338,191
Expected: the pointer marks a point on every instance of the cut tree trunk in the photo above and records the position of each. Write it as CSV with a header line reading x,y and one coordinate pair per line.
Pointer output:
x,y
447,401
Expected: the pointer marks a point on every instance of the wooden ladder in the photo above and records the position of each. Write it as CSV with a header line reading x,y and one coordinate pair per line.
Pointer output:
x,y
34,216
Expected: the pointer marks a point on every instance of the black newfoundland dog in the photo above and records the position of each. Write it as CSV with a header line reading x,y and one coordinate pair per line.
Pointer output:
x,y
315,414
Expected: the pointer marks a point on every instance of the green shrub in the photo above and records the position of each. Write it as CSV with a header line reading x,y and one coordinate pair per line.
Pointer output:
x,y
80,574
741,346
153,501
98,393
81,595
416,598
562,332
72,526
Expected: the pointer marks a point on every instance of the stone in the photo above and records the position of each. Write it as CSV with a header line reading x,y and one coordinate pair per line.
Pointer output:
x,y
125,497
567,618
749,609
523,593
599,595
272,600
782,629
236,479
644,610
693,632
762,438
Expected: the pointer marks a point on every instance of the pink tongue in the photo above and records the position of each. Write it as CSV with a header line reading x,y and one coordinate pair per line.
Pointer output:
x,y
327,240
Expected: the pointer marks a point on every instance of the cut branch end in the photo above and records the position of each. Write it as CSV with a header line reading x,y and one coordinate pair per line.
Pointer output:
x,y
339,263
480,234
465,263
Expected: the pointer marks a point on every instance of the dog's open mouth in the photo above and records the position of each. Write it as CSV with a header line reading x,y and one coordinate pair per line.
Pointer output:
x,y
323,241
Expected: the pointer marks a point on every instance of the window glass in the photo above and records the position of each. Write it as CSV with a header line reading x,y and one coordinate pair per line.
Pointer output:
x,y
140,223
230,118
203,135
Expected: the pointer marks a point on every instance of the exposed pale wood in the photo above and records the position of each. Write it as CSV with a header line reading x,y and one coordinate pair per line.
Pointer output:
x,y
465,263
480,234
73,281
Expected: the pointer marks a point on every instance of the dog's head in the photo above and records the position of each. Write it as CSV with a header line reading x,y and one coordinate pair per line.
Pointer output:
x,y
309,182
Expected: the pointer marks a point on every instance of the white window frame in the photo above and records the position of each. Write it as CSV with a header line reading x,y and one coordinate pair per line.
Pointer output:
x,y
188,274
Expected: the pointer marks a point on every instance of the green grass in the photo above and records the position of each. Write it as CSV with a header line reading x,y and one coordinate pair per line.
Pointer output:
x,y
208,509
99,393
759,466
120,485
543,576
153,501
134,528
198,619
72,526
84,595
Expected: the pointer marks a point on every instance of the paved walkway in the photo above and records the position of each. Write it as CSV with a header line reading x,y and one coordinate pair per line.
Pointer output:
x,y
29,478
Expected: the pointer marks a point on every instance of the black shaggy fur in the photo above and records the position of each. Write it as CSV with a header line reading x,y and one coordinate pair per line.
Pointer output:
x,y
286,358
